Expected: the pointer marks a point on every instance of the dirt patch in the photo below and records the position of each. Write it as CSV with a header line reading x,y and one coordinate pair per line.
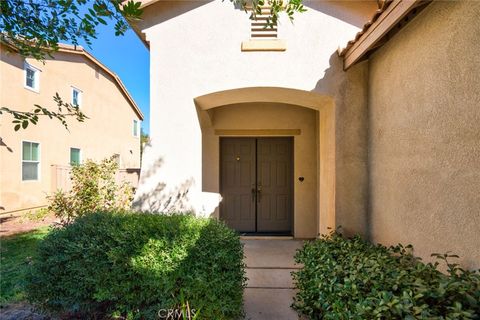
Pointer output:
x,y
21,311
20,223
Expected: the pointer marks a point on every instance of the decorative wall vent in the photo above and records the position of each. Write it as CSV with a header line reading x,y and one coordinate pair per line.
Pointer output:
x,y
260,28
263,35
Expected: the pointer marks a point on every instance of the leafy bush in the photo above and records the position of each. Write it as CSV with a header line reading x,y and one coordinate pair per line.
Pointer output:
x,y
353,279
93,189
134,265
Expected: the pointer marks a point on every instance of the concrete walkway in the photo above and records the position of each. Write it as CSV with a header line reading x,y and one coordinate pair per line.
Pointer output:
x,y
270,289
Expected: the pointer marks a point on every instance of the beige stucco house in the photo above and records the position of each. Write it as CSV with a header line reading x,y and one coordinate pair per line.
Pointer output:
x,y
281,132
35,162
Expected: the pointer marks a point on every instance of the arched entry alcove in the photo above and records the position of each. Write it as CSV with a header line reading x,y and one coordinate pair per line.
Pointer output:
x,y
261,112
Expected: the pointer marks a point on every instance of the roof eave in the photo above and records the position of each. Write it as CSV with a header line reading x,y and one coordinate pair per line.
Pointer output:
x,y
80,50
374,33
88,55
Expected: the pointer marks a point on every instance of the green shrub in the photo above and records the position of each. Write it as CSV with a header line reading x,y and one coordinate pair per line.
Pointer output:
x,y
353,279
93,189
133,265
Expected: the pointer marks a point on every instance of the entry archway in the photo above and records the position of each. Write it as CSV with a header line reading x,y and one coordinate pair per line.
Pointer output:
x,y
246,105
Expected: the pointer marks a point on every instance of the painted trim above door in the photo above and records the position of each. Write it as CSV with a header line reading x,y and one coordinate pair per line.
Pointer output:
x,y
258,132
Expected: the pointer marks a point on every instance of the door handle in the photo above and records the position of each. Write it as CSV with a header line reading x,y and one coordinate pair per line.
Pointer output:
x,y
259,191
254,193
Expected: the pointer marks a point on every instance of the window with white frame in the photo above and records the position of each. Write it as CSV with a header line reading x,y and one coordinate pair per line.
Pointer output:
x,y
75,156
30,161
32,77
76,97
136,128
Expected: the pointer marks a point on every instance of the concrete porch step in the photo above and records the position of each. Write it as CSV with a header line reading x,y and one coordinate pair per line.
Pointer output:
x,y
270,290
271,253
269,278
269,304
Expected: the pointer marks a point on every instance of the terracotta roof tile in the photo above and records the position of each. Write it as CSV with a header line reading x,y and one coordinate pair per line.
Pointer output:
x,y
366,26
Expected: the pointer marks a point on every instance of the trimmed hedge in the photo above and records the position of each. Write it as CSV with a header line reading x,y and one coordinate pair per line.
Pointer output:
x,y
133,265
353,279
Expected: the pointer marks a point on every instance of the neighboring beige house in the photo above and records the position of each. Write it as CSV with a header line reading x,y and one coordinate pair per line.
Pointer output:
x,y
35,162
278,132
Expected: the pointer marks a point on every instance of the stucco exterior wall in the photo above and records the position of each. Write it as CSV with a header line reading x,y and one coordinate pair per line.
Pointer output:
x,y
350,92
424,141
108,131
195,50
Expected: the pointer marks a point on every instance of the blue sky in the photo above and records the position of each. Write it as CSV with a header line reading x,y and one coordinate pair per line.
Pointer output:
x,y
128,57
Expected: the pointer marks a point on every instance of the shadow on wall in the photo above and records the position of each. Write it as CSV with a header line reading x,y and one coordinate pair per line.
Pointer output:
x,y
350,91
157,198
3,144
332,80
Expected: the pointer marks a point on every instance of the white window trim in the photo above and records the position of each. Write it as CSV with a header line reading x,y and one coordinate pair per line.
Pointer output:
x,y
39,162
37,71
137,133
80,96
70,155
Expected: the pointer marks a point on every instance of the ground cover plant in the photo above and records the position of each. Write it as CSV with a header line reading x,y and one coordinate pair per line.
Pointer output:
x,y
349,278
16,252
134,265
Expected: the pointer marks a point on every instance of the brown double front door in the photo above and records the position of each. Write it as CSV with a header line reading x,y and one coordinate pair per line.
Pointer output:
x,y
256,183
